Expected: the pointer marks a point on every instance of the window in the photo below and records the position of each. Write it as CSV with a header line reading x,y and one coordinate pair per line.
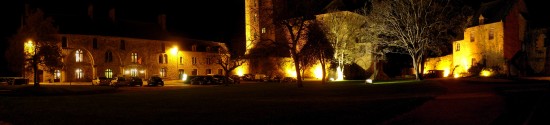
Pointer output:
x,y
133,72
108,56
208,61
194,48
220,71
472,37
122,45
163,58
195,72
57,74
134,57
181,72
109,73
78,55
94,42
64,42
163,72
491,34
79,74
194,60
208,71
457,47
181,60
263,30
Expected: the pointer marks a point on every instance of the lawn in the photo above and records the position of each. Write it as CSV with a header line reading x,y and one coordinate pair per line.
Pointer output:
x,y
252,103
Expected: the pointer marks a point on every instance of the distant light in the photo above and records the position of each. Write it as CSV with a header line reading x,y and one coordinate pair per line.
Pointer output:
x,y
369,81
174,50
184,77
331,79
485,73
456,75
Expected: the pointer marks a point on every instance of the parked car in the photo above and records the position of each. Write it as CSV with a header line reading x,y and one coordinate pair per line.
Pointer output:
x,y
133,81
155,81
289,79
120,81
203,80
102,81
219,79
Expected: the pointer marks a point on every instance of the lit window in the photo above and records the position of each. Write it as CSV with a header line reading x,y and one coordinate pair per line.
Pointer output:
x,y
133,72
134,57
79,55
208,61
79,74
57,74
457,46
263,30
109,73
163,72
181,72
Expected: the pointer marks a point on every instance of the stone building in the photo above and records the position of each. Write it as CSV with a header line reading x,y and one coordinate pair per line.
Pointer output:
x,y
495,40
261,29
99,44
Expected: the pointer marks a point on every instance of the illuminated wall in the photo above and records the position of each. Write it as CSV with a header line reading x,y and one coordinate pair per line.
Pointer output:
x,y
481,44
252,23
440,63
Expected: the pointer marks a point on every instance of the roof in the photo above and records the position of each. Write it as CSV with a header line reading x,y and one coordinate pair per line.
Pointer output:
x,y
497,10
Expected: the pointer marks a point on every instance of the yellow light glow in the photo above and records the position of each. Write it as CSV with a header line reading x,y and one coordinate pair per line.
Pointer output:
x,y
174,50
340,74
126,72
142,71
485,73
456,75
318,71
184,77
290,71
446,73
240,71
29,47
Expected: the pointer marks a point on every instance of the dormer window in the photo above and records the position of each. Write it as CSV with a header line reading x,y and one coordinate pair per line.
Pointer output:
x,y
194,48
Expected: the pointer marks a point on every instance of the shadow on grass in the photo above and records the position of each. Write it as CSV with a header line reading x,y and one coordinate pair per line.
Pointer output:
x,y
57,90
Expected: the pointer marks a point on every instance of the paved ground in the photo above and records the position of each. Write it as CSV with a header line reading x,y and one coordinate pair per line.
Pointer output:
x,y
480,101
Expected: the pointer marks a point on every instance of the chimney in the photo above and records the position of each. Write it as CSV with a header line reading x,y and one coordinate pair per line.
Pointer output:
x,y
162,21
112,14
91,11
481,19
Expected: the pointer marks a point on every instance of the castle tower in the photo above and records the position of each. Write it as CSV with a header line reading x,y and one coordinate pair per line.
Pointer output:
x,y
252,23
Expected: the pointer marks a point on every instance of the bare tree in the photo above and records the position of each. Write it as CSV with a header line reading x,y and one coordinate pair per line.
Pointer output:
x,y
291,18
228,60
416,26
343,29
318,48
38,33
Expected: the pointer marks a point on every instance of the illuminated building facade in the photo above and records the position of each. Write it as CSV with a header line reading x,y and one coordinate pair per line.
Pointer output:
x,y
260,28
107,47
495,42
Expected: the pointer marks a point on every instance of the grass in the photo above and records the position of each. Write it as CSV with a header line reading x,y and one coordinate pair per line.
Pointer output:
x,y
54,90
253,103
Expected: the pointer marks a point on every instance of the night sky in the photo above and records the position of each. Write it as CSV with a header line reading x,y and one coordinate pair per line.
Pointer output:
x,y
217,20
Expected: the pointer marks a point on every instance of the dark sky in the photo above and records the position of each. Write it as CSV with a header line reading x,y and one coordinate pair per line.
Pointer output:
x,y
210,20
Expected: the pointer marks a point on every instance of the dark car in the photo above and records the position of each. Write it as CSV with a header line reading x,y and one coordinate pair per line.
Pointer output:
x,y
120,81
155,81
133,81
203,80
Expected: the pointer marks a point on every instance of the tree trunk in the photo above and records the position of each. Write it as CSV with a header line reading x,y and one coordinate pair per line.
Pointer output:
x,y
324,77
298,76
35,69
375,71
